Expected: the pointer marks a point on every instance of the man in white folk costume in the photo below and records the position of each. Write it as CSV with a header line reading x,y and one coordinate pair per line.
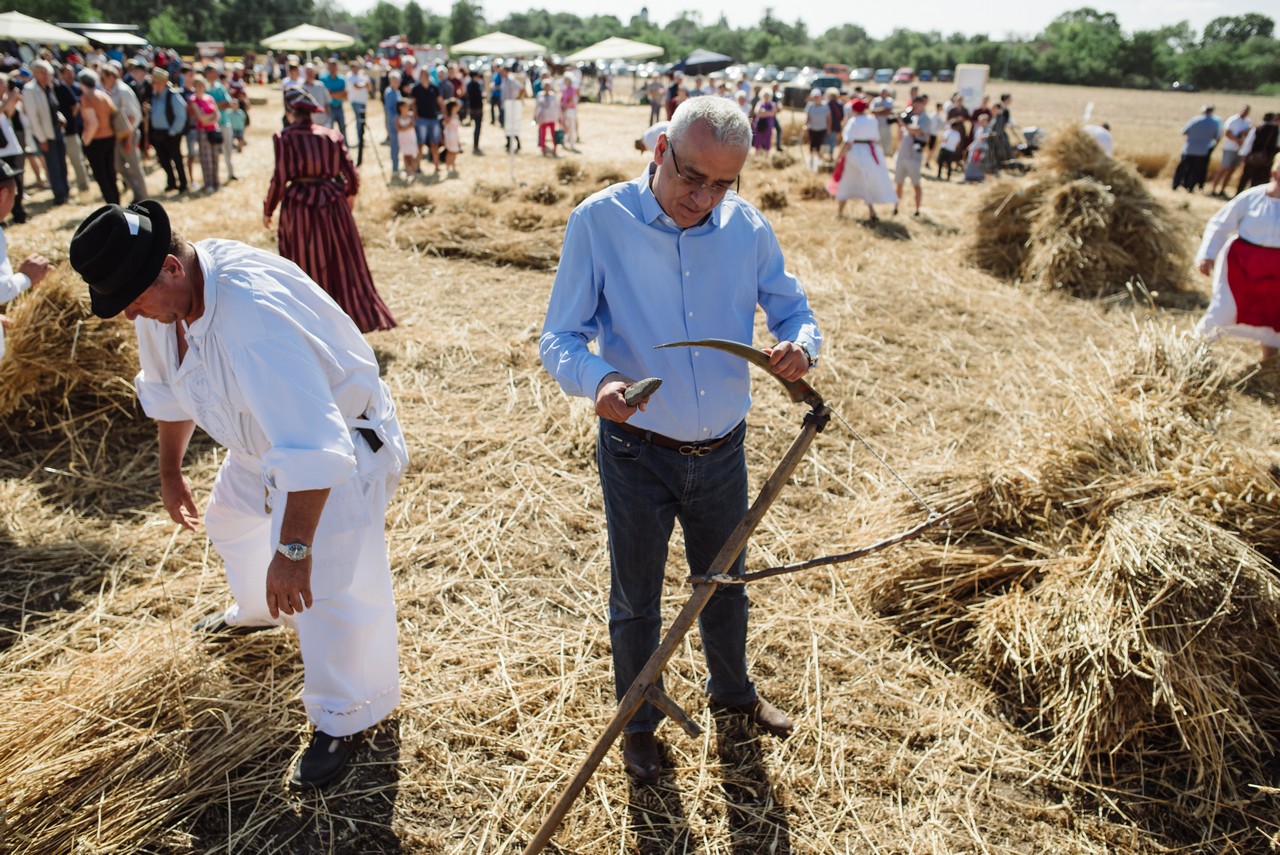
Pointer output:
x,y
241,343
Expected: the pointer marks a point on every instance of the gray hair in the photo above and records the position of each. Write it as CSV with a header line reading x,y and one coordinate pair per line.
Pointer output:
x,y
724,119
41,64
88,77
394,75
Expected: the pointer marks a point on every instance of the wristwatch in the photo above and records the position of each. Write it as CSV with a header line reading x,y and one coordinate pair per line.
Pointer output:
x,y
294,551
813,360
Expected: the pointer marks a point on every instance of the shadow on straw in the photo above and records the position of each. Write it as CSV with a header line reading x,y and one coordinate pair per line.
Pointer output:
x,y
757,819
658,819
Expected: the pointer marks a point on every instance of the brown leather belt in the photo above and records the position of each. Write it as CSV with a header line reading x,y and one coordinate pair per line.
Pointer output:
x,y
689,449
315,180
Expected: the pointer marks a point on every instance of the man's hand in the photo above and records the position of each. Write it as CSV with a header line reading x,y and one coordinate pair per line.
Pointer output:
x,y
1206,266
175,493
288,585
266,221
787,360
609,401
36,267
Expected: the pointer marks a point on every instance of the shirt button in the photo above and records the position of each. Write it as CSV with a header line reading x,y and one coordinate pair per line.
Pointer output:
x,y
697,353
691,314
702,391
686,273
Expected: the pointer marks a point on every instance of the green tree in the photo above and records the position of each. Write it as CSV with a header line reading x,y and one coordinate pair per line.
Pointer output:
x,y
1238,29
464,21
164,29
415,24
56,10
381,22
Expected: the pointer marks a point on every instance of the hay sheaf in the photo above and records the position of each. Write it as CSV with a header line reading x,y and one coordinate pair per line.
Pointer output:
x,y
1088,226
57,349
1117,584
459,237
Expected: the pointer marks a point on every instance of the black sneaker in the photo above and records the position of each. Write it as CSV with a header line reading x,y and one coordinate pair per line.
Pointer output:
x,y
324,761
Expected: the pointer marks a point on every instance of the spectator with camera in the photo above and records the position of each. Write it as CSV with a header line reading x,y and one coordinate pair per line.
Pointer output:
x,y
882,110
914,129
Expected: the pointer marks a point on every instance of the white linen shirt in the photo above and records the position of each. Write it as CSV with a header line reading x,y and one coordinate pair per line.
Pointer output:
x,y
1238,125
1253,215
11,284
274,370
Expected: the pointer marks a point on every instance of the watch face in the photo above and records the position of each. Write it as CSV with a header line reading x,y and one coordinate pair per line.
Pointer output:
x,y
295,551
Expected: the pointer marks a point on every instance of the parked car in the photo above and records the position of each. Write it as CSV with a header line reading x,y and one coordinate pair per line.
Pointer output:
x,y
768,74
904,75
861,75
926,76
946,75
788,74
884,75
835,69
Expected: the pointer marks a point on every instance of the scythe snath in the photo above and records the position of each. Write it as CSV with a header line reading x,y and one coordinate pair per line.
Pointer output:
x,y
645,687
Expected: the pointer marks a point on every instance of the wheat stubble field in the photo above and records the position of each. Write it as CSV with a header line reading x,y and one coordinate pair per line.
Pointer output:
x,y
1083,664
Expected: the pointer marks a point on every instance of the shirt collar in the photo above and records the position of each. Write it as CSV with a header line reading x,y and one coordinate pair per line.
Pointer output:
x,y
201,325
652,210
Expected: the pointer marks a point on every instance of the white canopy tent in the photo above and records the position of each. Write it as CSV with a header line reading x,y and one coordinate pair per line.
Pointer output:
x,y
113,37
24,28
499,44
616,48
308,37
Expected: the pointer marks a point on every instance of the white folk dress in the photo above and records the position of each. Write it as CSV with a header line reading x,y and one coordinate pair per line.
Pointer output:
x,y
1243,239
866,172
277,372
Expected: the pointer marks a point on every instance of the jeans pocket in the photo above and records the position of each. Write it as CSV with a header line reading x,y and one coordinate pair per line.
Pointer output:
x,y
620,446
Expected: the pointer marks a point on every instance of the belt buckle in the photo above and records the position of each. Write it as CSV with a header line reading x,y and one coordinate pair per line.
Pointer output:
x,y
694,450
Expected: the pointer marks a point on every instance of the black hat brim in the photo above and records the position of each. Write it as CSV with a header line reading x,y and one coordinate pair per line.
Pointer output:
x,y
146,270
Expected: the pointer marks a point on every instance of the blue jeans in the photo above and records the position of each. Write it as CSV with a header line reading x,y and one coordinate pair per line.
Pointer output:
x,y
394,137
56,160
338,118
646,489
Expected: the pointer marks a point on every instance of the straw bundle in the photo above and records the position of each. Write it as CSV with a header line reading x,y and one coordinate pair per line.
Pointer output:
x,y
56,349
782,159
773,199
411,203
1116,583
1091,227
154,730
570,172
814,192
468,236
543,194
1004,214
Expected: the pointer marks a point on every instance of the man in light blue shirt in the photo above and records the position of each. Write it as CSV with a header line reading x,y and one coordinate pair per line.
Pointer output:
x,y
675,255
1202,133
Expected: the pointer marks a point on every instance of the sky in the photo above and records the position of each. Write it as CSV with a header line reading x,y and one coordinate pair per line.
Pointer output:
x,y
998,18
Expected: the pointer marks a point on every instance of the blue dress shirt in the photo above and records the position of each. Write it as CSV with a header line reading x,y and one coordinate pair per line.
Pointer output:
x,y
1201,133
630,278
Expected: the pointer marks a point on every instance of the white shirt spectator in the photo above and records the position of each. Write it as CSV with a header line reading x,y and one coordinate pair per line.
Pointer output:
x,y
358,87
1103,137
1238,126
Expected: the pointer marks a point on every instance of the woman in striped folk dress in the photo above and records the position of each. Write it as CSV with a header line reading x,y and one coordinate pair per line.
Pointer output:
x,y
317,232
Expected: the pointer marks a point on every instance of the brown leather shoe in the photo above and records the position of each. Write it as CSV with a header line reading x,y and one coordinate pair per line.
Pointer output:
x,y
761,713
640,757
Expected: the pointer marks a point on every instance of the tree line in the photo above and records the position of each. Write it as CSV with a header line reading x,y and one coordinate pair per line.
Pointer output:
x,y
1084,46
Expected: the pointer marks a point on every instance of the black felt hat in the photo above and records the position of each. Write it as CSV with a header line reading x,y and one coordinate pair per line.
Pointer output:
x,y
119,252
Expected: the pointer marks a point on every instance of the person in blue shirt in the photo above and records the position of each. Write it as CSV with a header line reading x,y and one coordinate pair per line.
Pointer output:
x,y
1202,133
336,84
675,255
167,112
390,98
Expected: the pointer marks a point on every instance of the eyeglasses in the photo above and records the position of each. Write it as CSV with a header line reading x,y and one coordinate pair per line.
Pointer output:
x,y
716,190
